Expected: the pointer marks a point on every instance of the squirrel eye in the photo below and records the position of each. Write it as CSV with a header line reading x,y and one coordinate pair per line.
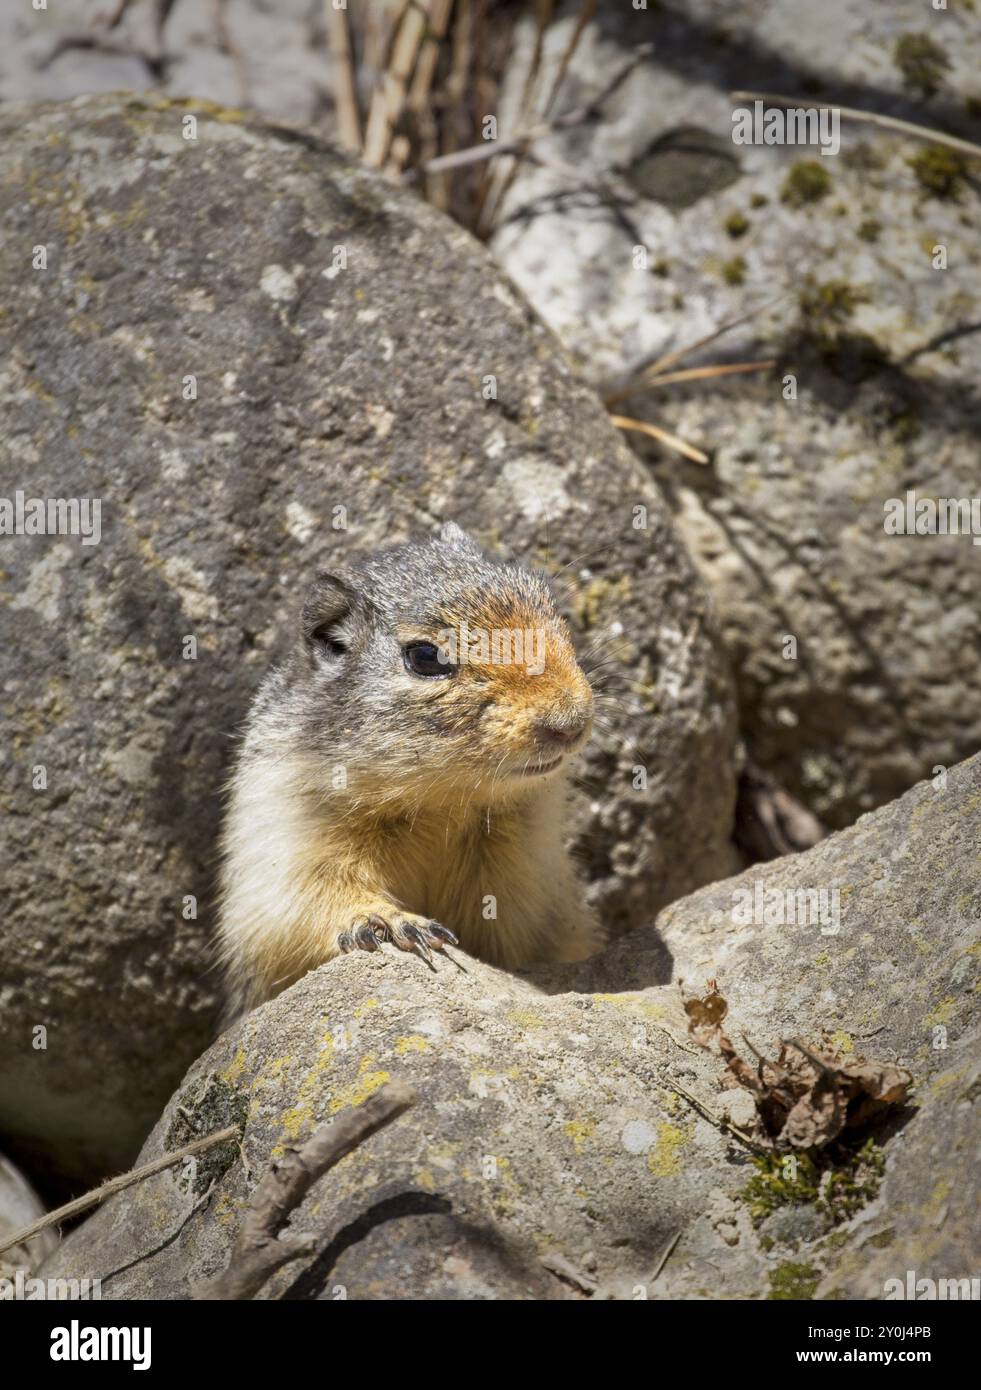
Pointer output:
x,y
422,659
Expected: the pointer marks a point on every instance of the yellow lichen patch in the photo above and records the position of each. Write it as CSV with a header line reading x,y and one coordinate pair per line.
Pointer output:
x,y
937,1200
235,1068
425,1179
525,1018
633,1002
445,1155
842,1042
294,1122
579,1131
365,1007
412,1043
323,1061
944,1082
270,1072
602,596
943,1013
368,1082
664,1156
225,1208
193,104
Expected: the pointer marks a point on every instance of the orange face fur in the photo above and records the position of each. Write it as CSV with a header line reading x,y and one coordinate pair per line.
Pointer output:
x,y
516,707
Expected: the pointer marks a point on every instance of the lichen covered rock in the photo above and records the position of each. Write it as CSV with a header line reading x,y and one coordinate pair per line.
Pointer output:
x,y
555,1152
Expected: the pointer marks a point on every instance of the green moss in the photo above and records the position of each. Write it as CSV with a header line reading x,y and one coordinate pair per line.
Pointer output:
x,y
940,172
869,229
796,1281
777,1183
734,271
736,224
660,267
921,61
863,156
825,310
883,1240
758,200
904,425
830,302
807,182
837,1183
209,1104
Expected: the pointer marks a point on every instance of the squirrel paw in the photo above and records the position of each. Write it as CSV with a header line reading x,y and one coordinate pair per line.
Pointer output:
x,y
417,934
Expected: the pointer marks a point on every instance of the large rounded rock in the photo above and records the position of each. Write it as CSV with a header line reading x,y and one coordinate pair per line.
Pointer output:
x,y
867,260
259,359
553,1152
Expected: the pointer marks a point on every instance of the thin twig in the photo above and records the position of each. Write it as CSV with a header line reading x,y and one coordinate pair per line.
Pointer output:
x,y
344,83
519,145
586,12
705,373
853,113
640,373
417,102
717,1120
670,441
499,179
667,1254
117,1184
260,1247
389,99
454,91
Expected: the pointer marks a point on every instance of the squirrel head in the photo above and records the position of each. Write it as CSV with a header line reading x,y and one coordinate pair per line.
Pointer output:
x,y
434,672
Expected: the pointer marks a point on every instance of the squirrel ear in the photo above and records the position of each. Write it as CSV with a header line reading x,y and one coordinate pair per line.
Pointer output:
x,y
329,600
451,534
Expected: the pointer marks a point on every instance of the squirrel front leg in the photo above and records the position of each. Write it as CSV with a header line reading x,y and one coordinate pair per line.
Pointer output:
x,y
337,915
287,925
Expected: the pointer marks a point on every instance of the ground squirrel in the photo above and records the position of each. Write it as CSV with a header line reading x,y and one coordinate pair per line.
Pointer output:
x,y
403,774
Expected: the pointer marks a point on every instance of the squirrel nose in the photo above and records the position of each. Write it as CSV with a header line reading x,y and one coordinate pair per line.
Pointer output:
x,y
560,733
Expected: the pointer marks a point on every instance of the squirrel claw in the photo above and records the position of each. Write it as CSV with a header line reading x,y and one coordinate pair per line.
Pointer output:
x,y
420,938
366,934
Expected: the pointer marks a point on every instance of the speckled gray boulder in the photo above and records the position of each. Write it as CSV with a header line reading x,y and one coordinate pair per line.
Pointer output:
x,y
197,357
549,1155
787,523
